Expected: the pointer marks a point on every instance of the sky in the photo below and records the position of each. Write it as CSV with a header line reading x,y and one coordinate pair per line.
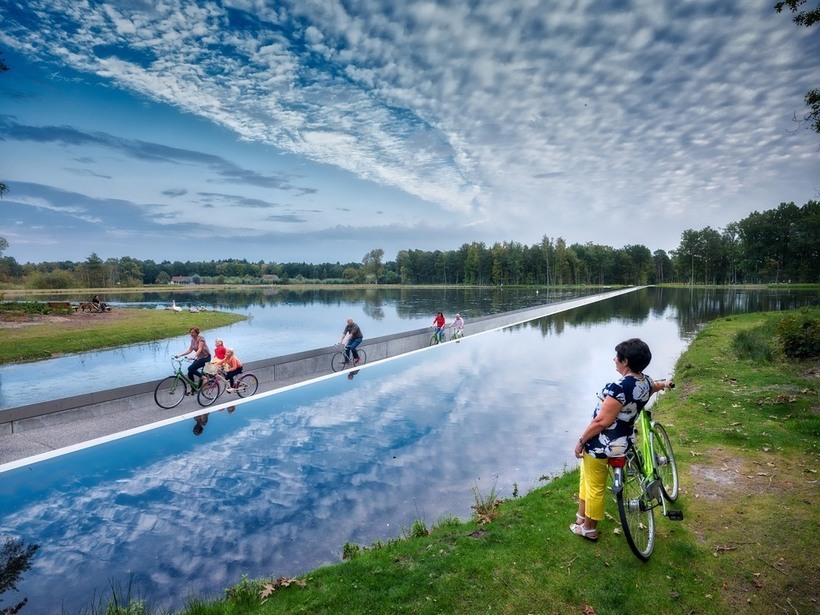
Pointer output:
x,y
319,130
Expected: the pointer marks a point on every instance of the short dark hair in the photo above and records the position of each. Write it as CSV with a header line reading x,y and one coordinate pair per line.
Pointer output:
x,y
635,352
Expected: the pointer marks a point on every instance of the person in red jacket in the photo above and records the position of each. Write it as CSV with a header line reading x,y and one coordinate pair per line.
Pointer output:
x,y
438,323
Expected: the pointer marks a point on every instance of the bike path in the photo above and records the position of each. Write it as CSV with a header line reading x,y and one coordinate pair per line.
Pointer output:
x,y
31,433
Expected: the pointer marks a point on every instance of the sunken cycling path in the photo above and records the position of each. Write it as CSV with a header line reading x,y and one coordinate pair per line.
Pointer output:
x,y
38,431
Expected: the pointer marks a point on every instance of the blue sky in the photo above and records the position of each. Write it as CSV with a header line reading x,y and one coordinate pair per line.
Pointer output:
x,y
318,130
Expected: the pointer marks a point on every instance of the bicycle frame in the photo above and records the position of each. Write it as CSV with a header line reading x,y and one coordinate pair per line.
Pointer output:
x,y
182,376
647,448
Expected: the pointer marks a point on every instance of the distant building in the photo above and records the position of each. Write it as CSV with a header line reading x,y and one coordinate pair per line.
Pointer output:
x,y
182,279
271,278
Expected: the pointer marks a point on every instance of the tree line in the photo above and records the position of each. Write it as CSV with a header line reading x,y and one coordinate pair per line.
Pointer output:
x,y
775,246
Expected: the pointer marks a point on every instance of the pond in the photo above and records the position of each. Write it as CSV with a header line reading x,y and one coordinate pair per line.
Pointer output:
x,y
282,321
279,322
276,485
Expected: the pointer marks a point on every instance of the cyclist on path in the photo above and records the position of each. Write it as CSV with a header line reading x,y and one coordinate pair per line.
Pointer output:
x,y
438,323
201,354
355,338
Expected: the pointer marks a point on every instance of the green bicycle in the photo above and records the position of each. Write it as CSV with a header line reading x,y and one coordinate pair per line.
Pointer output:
x,y
646,479
436,340
172,390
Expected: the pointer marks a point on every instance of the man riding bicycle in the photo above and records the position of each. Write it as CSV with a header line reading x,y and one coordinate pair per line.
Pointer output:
x,y
355,338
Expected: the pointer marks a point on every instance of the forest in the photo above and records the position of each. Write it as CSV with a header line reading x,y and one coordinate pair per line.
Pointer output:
x,y
776,246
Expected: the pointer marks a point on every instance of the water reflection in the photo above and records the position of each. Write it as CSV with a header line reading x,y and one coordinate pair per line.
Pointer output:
x,y
281,322
290,477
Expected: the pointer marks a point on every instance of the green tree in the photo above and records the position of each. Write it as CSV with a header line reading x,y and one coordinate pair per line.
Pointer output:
x,y
689,251
373,269
15,559
663,266
163,277
807,19
94,271
130,272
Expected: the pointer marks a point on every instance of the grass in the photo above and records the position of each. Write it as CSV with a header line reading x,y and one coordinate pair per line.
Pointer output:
x,y
745,433
46,337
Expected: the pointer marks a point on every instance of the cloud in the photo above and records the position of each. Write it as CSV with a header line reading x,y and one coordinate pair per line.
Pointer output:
x,y
147,152
512,119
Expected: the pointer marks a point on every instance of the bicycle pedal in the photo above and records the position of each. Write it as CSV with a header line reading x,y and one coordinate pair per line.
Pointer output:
x,y
674,515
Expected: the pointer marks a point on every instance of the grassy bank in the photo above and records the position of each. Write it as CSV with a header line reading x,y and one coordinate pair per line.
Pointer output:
x,y
745,430
44,337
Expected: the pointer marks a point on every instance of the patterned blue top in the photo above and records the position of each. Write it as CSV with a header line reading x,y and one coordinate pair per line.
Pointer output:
x,y
633,393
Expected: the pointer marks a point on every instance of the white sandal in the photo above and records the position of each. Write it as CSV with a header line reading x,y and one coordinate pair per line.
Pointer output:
x,y
579,530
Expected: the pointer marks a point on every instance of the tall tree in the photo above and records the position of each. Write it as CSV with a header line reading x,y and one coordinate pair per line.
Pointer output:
x,y
807,19
94,270
15,559
372,265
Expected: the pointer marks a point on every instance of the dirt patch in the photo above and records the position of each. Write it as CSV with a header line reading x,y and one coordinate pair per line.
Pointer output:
x,y
78,320
721,476
744,510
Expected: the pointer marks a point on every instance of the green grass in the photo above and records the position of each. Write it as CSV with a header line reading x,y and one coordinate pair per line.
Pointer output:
x,y
120,327
745,433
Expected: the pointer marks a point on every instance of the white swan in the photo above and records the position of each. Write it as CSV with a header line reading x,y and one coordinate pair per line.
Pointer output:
x,y
174,306
193,308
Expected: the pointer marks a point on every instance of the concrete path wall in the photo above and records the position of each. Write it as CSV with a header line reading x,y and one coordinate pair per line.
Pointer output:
x,y
273,373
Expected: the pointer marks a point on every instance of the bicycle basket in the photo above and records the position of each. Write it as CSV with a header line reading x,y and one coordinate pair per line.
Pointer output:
x,y
211,368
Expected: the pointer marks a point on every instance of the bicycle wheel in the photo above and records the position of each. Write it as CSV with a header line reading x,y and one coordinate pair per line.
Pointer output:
x,y
170,392
665,462
209,392
337,361
246,385
434,339
637,517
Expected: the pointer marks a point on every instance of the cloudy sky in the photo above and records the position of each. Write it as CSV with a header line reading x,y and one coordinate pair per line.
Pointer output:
x,y
318,130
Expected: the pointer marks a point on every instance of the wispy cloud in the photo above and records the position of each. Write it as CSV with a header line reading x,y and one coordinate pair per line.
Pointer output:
x,y
147,152
497,113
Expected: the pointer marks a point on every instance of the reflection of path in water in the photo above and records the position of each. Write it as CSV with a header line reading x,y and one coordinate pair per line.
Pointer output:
x,y
281,322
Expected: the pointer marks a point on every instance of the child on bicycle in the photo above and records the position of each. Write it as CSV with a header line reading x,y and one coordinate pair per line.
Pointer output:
x,y
232,366
458,326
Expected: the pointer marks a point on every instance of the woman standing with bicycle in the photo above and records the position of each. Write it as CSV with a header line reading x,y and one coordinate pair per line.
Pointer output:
x,y
201,354
609,434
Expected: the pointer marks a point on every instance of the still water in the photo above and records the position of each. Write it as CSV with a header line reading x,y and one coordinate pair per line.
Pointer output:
x,y
279,322
276,485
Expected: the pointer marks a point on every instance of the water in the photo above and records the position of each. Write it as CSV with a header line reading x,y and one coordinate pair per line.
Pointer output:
x,y
280,322
276,486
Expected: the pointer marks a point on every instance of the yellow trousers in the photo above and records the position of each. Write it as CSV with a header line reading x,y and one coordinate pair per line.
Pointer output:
x,y
592,487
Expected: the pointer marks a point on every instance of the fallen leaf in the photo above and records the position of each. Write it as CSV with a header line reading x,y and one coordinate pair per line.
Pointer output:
x,y
267,591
